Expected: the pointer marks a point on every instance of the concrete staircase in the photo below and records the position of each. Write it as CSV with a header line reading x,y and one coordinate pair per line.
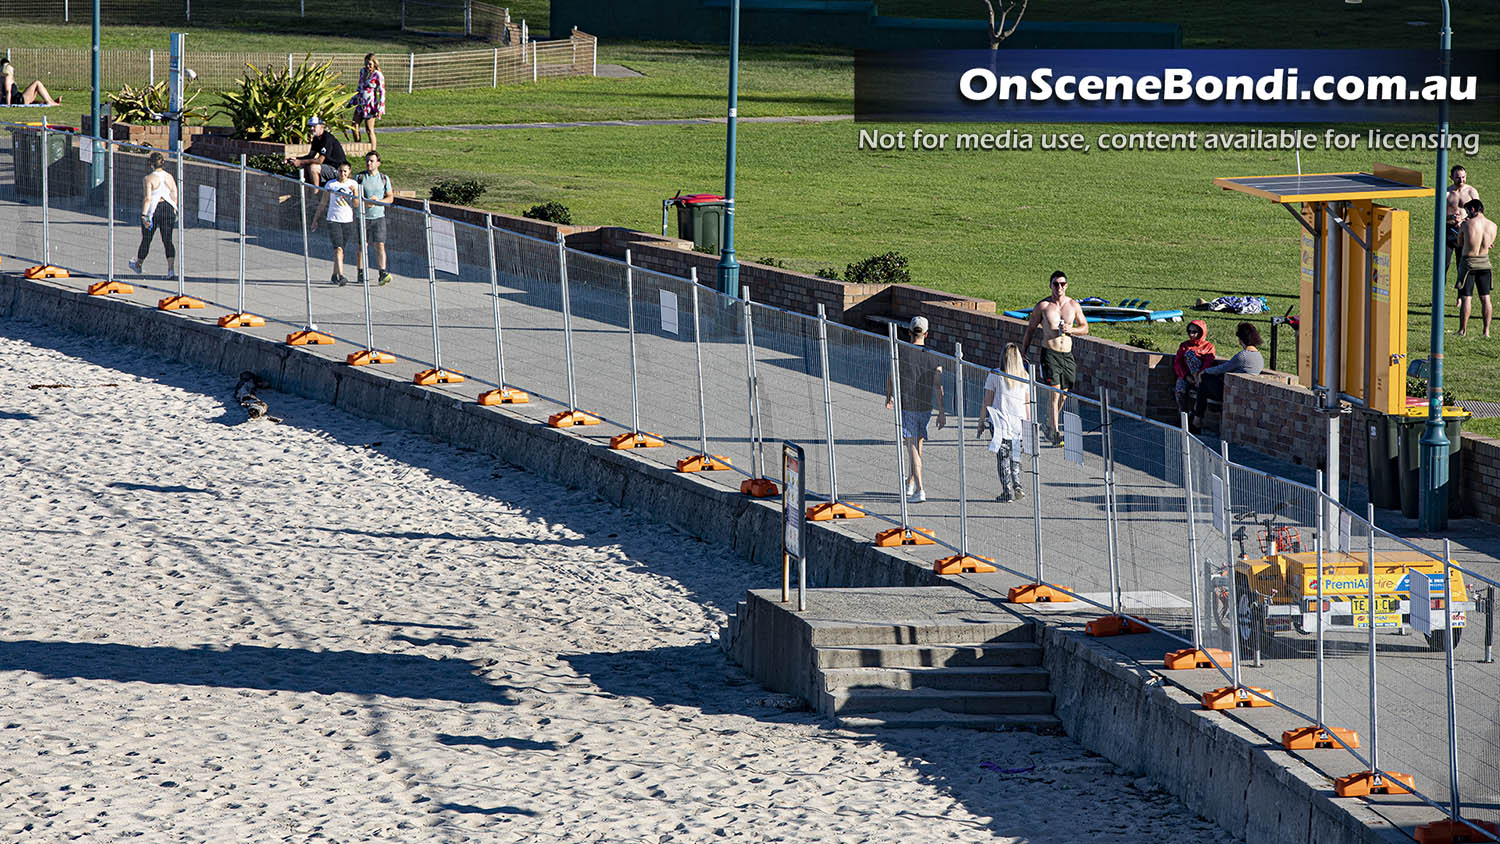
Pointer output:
x,y
967,671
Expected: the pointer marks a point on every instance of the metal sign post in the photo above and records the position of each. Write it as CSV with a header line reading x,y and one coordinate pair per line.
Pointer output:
x,y
794,522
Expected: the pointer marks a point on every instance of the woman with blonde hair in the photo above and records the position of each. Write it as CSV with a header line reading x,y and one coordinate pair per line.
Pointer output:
x,y
11,93
369,98
1005,411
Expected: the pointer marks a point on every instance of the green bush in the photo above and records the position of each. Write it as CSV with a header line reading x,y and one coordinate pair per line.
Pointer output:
x,y
1418,387
772,262
889,268
457,191
551,212
827,272
1141,341
275,105
140,106
271,164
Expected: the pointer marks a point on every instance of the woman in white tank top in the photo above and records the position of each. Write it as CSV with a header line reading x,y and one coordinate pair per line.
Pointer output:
x,y
158,213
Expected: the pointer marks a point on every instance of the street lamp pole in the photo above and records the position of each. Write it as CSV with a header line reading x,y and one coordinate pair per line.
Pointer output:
x,y
729,268
1433,511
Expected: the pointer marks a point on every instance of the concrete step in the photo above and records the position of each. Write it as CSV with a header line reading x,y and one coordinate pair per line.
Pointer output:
x,y
962,679
926,719
921,632
861,701
930,656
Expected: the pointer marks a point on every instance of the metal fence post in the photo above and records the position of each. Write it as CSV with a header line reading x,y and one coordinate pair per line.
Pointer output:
x,y
181,233
1320,543
1453,798
489,230
437,343
1036,469
109,156
963,484
698,356
757,456
1112,550
635,398
411,69
364,273
833,464
495,69
900,441
1190,507
562,269
306,261
1374,718
1231,568
240,272
151,66
46,197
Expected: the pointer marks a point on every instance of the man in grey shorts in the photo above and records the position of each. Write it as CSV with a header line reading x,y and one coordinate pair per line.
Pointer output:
x,y
375,188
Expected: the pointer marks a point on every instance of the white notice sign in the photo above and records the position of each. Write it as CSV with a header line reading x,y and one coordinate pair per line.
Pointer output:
x,y
444,246
208,203
1421,602
668,311
86,150
1072,437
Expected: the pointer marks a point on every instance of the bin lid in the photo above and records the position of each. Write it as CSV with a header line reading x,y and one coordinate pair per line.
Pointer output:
x,y
699,199
1420,412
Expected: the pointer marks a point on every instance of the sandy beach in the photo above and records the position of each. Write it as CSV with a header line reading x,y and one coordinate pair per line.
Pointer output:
x,y
327,630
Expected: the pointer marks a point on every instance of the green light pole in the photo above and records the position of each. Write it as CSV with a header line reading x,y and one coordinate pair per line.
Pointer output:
x,y
96,168
729,268
1433,506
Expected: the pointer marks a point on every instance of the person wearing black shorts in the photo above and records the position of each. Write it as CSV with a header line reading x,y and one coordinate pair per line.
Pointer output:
x,y
1059,318
1474,270
338,197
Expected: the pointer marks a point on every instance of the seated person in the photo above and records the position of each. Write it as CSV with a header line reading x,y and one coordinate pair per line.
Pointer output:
x,y
11,93
1193,356
1211,385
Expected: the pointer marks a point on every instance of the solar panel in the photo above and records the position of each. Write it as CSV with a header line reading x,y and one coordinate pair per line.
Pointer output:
x,y
1322,187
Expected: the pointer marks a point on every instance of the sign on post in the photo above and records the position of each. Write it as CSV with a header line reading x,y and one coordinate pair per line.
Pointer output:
x,y
794,523
1420,595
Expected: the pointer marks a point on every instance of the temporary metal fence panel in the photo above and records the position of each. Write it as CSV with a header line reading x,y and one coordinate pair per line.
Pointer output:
x,y
1476,709
1209,563
788,366
401,310
274,281
531,309
466,324
666,368
1151,520
864,433
1074,510
726,387
1000,526
209,219
601,336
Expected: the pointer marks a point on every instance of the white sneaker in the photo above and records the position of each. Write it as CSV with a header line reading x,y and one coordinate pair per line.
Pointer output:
x,y
134,266
917,497
911,488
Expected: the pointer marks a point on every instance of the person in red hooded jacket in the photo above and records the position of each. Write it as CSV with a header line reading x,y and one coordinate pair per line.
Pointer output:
x,y
1194,355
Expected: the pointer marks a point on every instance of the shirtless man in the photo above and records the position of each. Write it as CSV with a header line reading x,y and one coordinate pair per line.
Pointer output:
x,y
1475,239
1060,318
1459,193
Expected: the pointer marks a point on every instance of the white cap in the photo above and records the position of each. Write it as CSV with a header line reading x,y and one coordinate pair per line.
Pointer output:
x,y
919,325
314,120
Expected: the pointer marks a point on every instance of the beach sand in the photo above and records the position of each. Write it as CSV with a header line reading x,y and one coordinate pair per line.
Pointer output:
x,y
326,630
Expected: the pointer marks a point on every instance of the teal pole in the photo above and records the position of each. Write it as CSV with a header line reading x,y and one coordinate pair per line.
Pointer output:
x,y
1433,505
729,268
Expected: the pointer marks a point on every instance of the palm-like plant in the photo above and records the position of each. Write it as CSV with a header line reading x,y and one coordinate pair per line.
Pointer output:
x,y
148,105
274,105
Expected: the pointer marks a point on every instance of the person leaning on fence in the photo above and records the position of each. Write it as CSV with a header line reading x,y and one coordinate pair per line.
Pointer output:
x,y
1211,386
11,93
375,187
324,155
1006,411
339,197
921,390
369,98
158,213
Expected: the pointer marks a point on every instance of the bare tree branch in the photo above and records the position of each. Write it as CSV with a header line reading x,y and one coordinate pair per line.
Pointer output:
x,y
999,32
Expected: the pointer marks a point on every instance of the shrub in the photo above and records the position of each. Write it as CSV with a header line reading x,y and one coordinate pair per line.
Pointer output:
x,y
1418,387
889,268
1141,341
551,212
457,191
772,262
827,272
275,105
140,106
271,164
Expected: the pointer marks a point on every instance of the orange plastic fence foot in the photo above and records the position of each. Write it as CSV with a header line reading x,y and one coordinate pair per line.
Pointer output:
x,y
1116,625
1454,831
179,303
1197,658
104,288
46,271
832,510
963,564
637,439
570,418
366,357
703,463
428,377
759,488
308,337
241,320
904,536
1038,593
1231,697
1319,738
1366,783
503,395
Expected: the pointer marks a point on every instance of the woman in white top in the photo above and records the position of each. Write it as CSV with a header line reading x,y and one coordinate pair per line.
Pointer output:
x,y
338,198
158,213
1005,411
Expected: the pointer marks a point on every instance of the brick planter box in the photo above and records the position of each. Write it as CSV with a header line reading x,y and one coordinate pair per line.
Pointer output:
x,y
224,148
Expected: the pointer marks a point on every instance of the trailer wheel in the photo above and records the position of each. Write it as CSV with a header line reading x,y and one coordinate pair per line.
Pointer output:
x,y
1437,640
